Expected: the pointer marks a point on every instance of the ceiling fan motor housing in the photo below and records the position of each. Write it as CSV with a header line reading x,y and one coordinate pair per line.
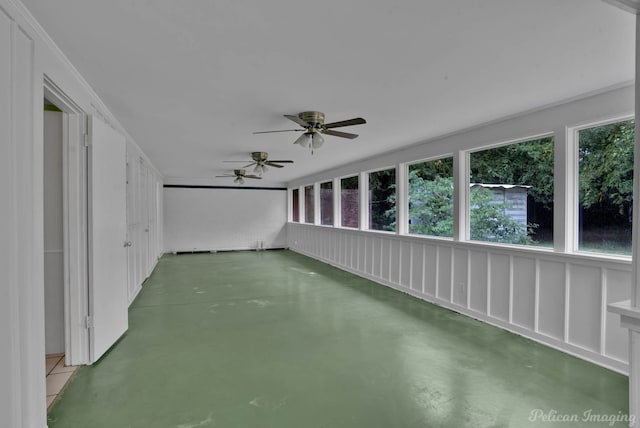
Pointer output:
x,y
259,156
313,118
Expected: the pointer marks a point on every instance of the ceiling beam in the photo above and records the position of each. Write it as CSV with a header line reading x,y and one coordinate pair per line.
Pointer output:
x,y
632,6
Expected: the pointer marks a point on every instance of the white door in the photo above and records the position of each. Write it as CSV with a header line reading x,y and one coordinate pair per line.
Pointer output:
x,y
108,318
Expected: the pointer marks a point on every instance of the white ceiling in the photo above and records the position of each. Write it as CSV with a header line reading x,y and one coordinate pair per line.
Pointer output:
x,y
191,80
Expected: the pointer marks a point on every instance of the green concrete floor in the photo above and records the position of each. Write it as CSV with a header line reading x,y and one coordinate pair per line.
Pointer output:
x,y
275,339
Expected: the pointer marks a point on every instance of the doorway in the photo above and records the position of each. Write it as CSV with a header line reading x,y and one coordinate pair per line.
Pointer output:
x,y
64,227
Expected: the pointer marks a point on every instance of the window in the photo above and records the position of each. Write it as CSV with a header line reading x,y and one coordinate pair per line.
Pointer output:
x,y
430,198
295,205
326,203
382,200
308,205
511,193
349,204
605,182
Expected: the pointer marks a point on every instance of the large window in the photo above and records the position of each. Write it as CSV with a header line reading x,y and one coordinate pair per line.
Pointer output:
x,y
295,205
349,204
326,203
382,200
605,157
308,205
511,193
430,198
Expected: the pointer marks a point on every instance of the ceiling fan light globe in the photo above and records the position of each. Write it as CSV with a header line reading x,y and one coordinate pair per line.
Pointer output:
x,y
317,140
258,169
304,140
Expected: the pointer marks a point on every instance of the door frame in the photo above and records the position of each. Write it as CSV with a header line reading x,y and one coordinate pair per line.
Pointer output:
x,y
75,220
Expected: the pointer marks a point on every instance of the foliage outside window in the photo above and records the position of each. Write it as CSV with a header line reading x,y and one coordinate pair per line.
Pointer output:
x,y
382,200
511,193
295,205
326,203
308,205
605,181
430,198
349,202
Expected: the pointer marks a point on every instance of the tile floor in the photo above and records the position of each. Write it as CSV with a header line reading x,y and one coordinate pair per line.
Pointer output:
x,y
57,376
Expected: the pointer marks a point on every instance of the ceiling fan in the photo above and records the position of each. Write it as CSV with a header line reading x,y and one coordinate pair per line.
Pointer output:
x,y
313,125
240,175
261,161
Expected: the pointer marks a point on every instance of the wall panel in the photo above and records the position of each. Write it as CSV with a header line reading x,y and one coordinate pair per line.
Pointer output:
x,y
460,276
394,261
478,285
445,266
585,306
565,290
617,288
205,219
499,286
417,266
551,309
524,292
405,263
430,269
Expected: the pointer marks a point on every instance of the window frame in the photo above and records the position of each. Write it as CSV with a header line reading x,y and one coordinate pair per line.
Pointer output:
x,y
466,155
572,224
365,212
405,178
338,223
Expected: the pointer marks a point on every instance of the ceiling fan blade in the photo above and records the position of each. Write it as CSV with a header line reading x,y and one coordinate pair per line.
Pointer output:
x,y
251,164
225,175
340,134
282,130
297,120
273,164
252,176
281,161
355,121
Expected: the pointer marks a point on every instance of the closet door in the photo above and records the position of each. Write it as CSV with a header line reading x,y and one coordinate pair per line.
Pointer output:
x,y
108,318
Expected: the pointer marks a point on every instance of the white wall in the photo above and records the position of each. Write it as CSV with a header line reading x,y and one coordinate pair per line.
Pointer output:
x,y
553,296
27,55
53,234
197,219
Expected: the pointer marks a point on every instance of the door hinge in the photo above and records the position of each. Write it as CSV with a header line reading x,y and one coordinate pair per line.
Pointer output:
x,y
86,140
88,321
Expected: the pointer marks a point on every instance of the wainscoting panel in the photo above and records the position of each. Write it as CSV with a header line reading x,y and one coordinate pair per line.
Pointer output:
x,y
430,269
585,311
460,276
551,300
556,299
417,267
523,303
478,281
499,286
617,287
445,266
406,260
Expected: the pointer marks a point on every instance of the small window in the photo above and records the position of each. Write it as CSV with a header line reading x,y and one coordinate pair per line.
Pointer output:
x,y
511,193
326,203
308,205
295,205
430,198
382,200
349,202
605,159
